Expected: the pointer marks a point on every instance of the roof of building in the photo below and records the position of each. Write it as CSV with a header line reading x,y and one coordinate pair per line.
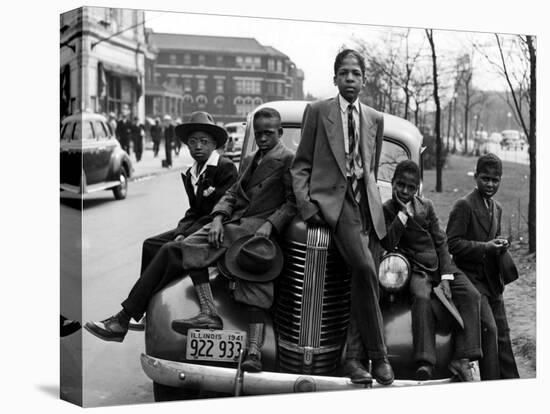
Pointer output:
x,y
274,52
207,43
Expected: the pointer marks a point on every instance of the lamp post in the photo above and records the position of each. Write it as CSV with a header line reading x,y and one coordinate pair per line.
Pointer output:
x,y
455,95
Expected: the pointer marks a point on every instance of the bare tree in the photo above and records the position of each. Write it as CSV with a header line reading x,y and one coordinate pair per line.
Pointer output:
x,y
519,72
438,157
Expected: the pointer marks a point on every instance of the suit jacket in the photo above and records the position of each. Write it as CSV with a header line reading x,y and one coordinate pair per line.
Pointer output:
x,y
221,178
421,240
264,194
469,228
319,168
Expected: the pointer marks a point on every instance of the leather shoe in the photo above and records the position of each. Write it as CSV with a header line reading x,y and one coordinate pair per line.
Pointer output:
x,y
110,329
356,372
424,372
252,363
201,321
68,326
461,368
382,371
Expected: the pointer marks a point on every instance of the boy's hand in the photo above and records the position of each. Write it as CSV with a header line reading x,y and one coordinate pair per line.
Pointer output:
x,y
400,203
265,230
497,246
316,220
215,235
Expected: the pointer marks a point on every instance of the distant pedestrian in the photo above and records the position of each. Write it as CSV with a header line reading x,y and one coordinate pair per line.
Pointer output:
x,y
156,135
137,138
177,143
168,139
112,122
124,133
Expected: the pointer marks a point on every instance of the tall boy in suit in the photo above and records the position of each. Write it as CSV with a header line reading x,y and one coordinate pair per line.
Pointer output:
x,y
473,231
413,230
334,180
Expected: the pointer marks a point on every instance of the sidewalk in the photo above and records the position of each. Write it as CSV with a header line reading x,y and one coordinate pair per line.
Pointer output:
x,y
150,166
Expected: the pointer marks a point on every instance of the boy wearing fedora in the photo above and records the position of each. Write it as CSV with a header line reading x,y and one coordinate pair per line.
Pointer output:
x,y
413,230
205,182
259,205
479,251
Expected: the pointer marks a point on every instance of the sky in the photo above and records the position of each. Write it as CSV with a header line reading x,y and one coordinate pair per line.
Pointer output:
x,y
313,45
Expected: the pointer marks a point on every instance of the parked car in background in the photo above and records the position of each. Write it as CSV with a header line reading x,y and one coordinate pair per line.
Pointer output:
x,y
495,137
235,133
305,330
512,140
91,157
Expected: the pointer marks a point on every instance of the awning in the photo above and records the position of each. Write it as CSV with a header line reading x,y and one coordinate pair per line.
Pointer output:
x,y
120,70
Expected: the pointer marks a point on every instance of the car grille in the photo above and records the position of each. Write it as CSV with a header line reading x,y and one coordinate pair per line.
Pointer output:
x,y
313,305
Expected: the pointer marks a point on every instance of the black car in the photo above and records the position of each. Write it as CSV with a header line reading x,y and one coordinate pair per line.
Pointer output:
x,y
91,157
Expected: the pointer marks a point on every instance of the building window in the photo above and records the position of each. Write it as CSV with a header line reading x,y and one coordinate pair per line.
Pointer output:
x,y
219,60
201,85
257,63
219,101
202,60
201,101
279,66
187,59
243,106
248,62
219,85
172,59
270,88
245,85
280,89
187,99
270,65
258,101
187,84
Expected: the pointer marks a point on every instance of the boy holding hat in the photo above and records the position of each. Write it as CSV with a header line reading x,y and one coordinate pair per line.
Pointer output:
x,y
205,182
259,204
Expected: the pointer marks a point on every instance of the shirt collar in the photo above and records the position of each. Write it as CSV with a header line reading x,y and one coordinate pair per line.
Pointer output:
x,y
212,161
344,104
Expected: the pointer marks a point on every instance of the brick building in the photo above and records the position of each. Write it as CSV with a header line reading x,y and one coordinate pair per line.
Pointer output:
x,y
226,76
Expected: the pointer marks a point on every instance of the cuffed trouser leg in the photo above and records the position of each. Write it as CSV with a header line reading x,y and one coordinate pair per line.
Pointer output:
x,y
152,245
352,243
423,320
165,267
488,365
507,362
467,300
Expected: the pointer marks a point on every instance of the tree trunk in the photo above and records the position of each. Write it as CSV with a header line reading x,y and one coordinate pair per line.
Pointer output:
x,y
532,137
438,161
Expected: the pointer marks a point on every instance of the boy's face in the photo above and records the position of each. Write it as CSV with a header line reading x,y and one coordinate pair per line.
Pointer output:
x,y
488,181
405,186
267,132
200,145
349,78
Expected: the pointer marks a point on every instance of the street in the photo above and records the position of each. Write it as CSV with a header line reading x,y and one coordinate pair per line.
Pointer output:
x,y
112,236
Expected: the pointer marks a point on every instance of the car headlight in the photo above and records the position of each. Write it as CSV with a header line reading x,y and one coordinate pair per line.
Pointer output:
x,y
394,272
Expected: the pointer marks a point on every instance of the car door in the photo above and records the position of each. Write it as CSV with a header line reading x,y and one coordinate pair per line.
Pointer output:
x,y
95,153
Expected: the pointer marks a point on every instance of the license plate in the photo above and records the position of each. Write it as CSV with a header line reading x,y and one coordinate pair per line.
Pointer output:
x,y
214,345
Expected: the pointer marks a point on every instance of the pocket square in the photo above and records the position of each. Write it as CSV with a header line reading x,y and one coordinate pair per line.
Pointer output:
x,y
208,191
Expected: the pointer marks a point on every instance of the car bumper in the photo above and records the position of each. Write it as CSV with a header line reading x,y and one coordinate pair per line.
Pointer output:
x,y
228,380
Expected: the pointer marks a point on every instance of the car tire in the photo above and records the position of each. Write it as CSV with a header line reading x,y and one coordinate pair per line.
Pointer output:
x,y
121,190
166,393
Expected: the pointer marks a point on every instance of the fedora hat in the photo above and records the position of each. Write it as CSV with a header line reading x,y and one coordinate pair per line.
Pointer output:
x,y
254,258
202,121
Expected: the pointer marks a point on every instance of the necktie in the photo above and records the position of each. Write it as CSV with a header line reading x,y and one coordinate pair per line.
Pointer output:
x,y
354,157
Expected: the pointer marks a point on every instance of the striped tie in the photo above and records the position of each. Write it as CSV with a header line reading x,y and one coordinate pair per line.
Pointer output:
x,y
354,157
